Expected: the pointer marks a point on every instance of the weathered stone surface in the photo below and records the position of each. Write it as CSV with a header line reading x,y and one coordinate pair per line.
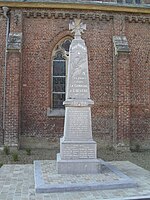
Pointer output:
x,y
77,143
14,41
120,44
78,124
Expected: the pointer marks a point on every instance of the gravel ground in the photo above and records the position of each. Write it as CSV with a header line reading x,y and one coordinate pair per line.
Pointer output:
x,y
141,158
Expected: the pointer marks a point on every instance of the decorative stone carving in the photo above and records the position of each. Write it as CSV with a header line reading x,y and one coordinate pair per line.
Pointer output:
x,y
137,19
17,18
77,27
70,15
96,16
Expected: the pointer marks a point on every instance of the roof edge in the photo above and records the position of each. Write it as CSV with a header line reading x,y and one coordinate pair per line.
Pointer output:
x,y
80,6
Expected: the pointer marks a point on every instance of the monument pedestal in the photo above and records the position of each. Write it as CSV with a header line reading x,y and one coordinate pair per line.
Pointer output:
x,y
78,151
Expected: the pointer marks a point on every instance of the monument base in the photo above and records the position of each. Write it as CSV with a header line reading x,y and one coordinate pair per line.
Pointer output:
x,y
80,166
76,150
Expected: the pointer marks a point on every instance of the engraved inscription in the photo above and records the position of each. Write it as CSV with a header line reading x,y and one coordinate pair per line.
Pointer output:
x,y
79,151
78,124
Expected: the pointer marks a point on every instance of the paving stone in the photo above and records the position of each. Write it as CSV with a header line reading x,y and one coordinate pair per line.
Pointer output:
x,y
28,191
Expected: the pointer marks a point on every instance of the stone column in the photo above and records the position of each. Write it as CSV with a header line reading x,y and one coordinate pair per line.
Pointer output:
x,y
12,98
121,96
78,152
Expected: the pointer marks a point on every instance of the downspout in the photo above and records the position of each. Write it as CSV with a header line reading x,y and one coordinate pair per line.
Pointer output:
x,y
5,13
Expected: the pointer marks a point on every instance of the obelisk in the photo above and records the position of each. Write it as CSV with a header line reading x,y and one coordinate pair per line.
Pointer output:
x,y
78,151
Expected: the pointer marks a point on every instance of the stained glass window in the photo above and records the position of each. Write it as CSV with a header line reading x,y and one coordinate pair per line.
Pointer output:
x,y
59,73
66,45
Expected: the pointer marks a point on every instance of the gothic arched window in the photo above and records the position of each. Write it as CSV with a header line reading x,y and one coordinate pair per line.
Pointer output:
x,y
59,73
59,79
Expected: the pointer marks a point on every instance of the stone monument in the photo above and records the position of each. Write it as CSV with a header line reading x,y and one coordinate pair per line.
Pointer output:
x,y
78,151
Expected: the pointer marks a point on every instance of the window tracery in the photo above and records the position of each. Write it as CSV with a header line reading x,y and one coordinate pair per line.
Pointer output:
x,y
59,69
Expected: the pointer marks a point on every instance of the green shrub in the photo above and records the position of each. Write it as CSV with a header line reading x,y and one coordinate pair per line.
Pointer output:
x,y
28,151
6,150
15,157
1,164
136,148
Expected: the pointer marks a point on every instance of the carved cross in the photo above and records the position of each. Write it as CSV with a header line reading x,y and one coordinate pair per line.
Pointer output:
x,y
77,27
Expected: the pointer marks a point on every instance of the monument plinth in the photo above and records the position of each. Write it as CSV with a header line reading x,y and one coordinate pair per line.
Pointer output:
x,y
78,151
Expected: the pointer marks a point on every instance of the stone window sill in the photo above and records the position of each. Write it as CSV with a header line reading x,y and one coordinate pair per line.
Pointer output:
x,y
55,112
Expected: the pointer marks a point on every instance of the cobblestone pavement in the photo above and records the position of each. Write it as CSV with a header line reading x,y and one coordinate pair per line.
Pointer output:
x,y
49,170
17,183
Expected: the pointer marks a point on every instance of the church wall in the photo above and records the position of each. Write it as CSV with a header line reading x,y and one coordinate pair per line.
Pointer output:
x,y
34,119
41,32
38,44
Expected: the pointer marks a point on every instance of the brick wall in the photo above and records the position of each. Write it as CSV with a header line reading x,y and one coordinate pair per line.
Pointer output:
x,y
36,97
146,1
12,100
41,32
2,53
98,39
37,52
139,42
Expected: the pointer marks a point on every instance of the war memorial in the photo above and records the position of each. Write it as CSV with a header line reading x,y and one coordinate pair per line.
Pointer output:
x,y
34,49
78,88
78,152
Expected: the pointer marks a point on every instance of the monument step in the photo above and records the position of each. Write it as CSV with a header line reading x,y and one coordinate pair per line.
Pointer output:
x,y
78,166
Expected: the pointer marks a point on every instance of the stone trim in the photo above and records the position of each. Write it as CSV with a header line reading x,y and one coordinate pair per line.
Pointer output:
x,y
81,15
137,19
14,42
120,44
55,112
70,15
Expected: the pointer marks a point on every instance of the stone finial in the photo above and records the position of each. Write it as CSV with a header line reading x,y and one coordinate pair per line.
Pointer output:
x,y
77,27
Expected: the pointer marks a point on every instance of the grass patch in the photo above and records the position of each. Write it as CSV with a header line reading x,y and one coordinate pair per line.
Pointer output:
x,y
1,164
15,156
28,151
